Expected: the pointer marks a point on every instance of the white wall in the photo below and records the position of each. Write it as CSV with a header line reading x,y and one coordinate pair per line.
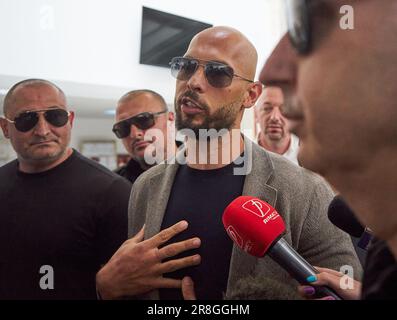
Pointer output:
x,y
94,129
98,42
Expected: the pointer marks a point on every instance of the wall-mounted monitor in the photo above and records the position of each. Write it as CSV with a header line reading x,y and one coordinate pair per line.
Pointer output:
x,y
165,36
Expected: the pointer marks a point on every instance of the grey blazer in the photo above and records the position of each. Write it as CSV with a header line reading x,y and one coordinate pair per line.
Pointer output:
x,y
300,196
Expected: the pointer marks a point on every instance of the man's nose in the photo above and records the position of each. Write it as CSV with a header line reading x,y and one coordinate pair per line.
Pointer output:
x,y
280,68
275,115
42,127
198,81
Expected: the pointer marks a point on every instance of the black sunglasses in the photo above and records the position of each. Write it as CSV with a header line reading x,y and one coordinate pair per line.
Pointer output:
x,y
300,15
218,75
142,121
298,22
28,120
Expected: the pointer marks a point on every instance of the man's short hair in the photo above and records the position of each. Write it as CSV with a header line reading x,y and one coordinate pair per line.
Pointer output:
x,y
136,93
8,99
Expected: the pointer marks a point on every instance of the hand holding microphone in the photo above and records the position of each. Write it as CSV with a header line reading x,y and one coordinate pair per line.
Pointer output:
x,y
257,228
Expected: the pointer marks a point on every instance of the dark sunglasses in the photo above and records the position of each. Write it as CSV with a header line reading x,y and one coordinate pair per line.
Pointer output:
x,y
298,23
218,75
28,120
300,15
142,121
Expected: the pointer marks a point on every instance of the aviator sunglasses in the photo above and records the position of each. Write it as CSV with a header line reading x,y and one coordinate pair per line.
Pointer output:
x,y
28,120
218,75
142,121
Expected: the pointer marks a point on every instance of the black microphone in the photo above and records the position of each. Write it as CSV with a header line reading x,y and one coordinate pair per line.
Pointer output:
x,y
340,214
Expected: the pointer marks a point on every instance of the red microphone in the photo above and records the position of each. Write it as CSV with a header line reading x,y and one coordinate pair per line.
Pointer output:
x,y
257,228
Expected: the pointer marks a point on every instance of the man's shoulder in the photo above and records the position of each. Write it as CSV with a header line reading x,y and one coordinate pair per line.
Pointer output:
x,y
287,177
94,170
10,167
157,170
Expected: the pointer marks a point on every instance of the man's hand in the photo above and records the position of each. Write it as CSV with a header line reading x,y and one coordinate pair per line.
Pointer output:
x,y
331,279
188,289
137,266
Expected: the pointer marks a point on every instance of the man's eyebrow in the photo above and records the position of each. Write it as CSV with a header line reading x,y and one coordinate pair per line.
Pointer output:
x,y
216,61
29,109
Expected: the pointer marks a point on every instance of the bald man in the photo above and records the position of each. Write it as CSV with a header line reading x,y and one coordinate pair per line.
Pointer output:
x,y
142,115
215,84
62,215
274,132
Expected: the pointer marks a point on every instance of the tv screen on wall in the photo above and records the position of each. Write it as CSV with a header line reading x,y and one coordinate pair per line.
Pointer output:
x,y
165,36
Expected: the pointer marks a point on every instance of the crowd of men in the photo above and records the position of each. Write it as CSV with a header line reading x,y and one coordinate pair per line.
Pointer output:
x,y
71,229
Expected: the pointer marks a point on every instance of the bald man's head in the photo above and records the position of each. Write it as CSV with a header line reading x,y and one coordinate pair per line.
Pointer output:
x,y
240,51
11,95
131,95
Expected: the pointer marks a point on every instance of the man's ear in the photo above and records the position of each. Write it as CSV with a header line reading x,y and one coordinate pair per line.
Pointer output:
x,y
171,116
254,92
71,119
4,126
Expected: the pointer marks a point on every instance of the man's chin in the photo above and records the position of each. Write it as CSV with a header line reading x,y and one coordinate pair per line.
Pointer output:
x,y
45,154
274,136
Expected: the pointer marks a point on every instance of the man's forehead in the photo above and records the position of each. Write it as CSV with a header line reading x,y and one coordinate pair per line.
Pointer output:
x,y
142,103
36,97
272,94
225,47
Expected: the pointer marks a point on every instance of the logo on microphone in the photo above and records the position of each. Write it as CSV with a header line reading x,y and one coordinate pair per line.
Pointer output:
x,y
247,247
260,209
235,236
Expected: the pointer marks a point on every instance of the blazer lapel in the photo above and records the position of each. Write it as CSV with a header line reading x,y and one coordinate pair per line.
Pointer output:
x,y
242,264
160,188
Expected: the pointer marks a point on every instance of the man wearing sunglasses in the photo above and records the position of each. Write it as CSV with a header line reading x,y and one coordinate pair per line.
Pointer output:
x,y
140,113
342,94
215,84
62,215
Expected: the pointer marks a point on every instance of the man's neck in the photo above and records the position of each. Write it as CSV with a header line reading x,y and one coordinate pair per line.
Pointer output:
x,y
43,165
216,152
370,191
279,147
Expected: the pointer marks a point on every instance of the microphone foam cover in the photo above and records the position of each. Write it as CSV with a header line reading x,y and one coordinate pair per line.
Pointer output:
x,y
343,217
253,224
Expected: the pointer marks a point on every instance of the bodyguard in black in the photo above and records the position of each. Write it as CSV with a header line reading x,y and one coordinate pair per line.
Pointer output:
x,y
71,218
140,113
62,216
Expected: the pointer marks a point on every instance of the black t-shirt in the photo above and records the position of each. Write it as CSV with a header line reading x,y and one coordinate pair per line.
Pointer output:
x,y
200,197
380,273
71,218
131,171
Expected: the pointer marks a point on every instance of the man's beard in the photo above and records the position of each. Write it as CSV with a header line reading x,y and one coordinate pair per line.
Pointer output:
x,y
223,118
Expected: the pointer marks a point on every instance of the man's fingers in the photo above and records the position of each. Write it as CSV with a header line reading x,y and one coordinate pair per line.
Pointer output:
x,y
168,283
188,289
173,249
166,234
173,265
138,237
